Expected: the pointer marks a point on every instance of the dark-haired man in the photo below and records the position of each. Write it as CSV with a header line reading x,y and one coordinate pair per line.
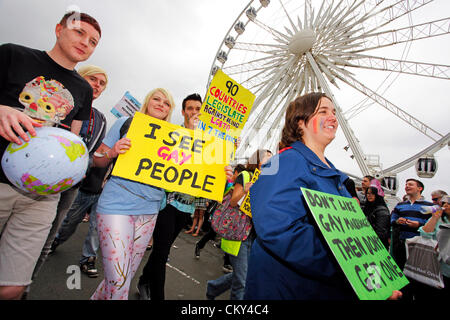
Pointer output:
x,y
38,88
191,107
407,218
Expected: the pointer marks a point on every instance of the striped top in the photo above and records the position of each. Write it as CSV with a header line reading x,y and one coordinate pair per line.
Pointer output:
x,y
410,211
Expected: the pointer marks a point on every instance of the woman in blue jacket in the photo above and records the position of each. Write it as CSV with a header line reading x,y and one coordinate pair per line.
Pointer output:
x,y
290,259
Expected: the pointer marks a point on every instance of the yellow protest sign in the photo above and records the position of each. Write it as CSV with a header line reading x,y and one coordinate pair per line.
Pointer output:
x,y
245,205
226,108
174,158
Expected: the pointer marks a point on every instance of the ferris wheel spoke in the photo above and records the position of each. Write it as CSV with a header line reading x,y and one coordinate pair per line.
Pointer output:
x,y
259,119
315,18
277,111
270,85
306,78
257,47
342,47
343,31
254,78
253,65
349,114
279,82
257,88
409,67
358,108
259,79
255,81
368,6
391,13
328,16
342,36
381,16
332,67
268,131
344,28
300,85
269,69
412,33
288,97
280,37
311,83
294,28
339,24
260,86
307,13
328,74
403,115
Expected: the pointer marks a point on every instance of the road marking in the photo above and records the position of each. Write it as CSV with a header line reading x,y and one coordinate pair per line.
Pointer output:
x,y
182,273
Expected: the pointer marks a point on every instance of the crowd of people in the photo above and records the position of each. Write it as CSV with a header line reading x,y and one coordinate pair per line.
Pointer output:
x,y
281,255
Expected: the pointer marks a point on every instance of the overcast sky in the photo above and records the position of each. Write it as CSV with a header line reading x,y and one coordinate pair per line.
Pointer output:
x,y
172,44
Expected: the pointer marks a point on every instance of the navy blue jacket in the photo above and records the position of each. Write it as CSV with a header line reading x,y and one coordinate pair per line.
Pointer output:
x,y
290,259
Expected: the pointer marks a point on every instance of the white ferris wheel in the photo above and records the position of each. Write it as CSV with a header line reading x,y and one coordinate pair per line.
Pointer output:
x,y
379,60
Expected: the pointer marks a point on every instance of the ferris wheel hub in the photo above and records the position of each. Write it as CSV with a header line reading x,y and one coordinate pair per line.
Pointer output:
x,y
302,41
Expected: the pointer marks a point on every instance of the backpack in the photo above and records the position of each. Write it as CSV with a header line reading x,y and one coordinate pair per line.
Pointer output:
x,y
126,125
93,130
123,131
230,222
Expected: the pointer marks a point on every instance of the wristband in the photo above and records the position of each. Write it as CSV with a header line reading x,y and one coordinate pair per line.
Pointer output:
x,y
101,155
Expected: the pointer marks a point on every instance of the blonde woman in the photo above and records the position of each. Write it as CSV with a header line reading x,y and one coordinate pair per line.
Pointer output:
x,y
127,210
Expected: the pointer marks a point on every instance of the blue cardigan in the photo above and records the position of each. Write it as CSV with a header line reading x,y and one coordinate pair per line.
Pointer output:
x,y
290,259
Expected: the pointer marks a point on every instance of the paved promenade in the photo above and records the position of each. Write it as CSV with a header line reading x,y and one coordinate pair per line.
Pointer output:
x,y
185,276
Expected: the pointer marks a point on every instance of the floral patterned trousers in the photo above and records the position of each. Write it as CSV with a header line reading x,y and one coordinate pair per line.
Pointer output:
x,y
123,241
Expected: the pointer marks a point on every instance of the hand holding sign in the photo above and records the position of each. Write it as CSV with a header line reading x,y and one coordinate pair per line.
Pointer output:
x,y
120,147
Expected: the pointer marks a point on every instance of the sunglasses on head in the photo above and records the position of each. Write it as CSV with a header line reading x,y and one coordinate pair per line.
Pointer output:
x,y
435,199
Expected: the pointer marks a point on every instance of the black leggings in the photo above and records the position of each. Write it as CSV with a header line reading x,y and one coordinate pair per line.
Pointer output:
x,y
169,223
210,235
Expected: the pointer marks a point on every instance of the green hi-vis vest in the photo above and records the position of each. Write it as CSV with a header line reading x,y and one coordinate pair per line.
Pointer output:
x,y
247,176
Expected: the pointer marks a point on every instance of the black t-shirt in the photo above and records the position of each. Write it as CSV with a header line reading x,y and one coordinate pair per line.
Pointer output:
x,y
32,81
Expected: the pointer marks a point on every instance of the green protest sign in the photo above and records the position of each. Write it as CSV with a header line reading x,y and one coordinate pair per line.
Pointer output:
x,y
369,268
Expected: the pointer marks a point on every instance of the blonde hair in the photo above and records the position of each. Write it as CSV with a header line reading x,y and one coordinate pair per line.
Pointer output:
x,y
166,94
90,69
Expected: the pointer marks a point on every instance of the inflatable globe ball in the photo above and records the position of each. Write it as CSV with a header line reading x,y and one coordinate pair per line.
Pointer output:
x,y
51,162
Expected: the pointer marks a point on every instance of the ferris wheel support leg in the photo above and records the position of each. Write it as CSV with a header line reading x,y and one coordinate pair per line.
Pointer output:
x,y
349,135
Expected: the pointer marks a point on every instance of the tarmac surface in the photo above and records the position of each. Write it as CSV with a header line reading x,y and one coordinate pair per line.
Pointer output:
x,y
186,276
